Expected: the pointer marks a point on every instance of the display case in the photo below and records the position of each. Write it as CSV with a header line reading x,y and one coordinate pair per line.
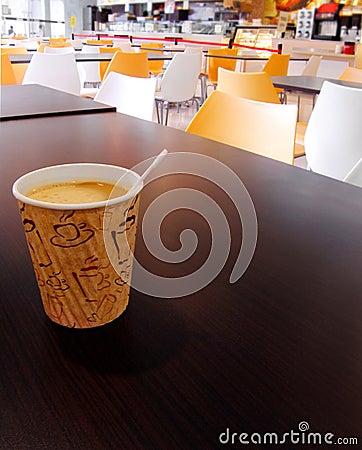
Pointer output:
x,y
258,36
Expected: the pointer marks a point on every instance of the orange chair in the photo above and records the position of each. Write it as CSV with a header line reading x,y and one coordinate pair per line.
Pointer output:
x,y
103,65
267,129
99,42
351,74
214,61
18,37
257,86
156,67
57,41
132,64
7,73
18,69
277,66
252,85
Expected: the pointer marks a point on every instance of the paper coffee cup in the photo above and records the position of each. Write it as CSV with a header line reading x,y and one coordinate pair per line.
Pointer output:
x,y
83,282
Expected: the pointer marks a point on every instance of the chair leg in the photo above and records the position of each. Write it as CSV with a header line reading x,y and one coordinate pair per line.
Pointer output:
x,y
166,105
161,112
283,97
157,111
203,89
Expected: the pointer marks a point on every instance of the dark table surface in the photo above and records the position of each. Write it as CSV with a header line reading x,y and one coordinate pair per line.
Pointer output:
x,y
251,57
308,84
33,100
86,57
280,350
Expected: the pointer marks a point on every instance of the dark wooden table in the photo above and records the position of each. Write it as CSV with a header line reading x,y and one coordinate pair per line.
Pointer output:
x,y
307,84
247,57
281,346
34,100
86,57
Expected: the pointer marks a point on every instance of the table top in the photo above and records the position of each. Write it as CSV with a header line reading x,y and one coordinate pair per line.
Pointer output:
x,y
85,57
325,54
308,84
276,351
246,57
33,100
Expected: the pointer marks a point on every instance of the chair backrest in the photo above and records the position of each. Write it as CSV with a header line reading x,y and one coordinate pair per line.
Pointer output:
x,y
358,57
332,139
259,127
58,49
312,66
18,69
99,42
55,71
6,69
89,71
76,43
130,95
351,74
131,64
252,85
179,82
14,50
355,174
176,48
156,66
123,45
277,65
42,47
103,65
213,63
152,45
59,40
197,50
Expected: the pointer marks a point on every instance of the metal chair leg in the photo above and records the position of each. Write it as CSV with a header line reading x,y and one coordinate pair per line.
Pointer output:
x,y
167,106
157,111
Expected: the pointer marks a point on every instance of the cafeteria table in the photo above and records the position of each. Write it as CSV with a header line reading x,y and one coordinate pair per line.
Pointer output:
x,y
34,100
86,57
308,84
274,357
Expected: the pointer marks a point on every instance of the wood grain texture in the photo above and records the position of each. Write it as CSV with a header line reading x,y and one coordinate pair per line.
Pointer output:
x,y
280,346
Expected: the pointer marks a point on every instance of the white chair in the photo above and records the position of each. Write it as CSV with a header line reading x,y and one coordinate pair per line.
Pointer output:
x,y
89,71
178,83
312,66
333,136
198,51
192,50
123,45
58,50
130,95
355,174
55,71
77,44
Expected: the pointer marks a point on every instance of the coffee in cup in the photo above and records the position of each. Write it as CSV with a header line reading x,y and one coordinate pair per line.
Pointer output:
x,y
83,283
82,191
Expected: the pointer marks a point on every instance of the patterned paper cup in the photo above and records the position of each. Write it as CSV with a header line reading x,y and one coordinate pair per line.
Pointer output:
x,y
79,286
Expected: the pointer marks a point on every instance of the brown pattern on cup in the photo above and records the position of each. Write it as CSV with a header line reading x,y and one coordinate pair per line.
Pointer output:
x,y
78,284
